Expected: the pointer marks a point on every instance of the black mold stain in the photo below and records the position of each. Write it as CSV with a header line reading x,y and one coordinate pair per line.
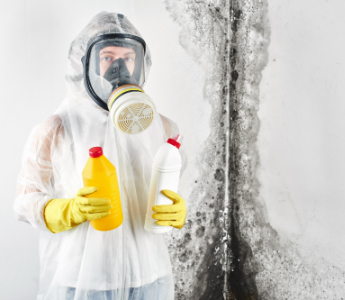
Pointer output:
x,y
187,238
228,250
200,231
183,257
203,277
220,261
241,279
219,176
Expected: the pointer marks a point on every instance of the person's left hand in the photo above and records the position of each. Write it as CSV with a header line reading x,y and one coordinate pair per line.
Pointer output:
x,y
171,215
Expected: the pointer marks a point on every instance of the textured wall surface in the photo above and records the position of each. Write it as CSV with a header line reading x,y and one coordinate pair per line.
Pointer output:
x,y
229,39
229,249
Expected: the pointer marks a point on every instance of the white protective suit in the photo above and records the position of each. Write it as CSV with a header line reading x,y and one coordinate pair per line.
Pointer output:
x,y
83,263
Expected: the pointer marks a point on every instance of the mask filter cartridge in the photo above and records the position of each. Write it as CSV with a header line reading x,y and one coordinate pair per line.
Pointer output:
x,y
131,110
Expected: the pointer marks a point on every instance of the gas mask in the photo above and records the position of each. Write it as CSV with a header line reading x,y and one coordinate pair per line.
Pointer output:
x,y
114,73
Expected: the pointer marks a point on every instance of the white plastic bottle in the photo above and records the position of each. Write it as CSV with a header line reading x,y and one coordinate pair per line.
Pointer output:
x,y
165,175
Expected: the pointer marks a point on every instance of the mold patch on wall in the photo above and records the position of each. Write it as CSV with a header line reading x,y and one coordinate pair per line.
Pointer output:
x,y
228,250
201,257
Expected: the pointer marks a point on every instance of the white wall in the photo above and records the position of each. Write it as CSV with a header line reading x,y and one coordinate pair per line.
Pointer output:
x,y
36,36
302,141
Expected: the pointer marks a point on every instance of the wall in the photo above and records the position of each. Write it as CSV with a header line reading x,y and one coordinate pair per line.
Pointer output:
x,y
274,226
300,143
301,112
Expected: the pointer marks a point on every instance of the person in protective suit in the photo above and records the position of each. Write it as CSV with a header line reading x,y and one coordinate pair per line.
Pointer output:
x,y
78,262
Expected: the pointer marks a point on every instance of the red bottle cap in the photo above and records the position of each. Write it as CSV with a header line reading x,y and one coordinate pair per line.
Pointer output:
x,y
96,152
174,143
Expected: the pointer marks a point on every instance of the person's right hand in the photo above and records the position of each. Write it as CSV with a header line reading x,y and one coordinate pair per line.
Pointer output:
x,y
64,214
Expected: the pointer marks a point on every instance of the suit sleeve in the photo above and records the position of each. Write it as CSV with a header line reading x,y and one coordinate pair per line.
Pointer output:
x,y
35,185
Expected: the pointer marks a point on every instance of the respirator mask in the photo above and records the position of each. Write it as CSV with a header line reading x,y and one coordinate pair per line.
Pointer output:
x,y
114,73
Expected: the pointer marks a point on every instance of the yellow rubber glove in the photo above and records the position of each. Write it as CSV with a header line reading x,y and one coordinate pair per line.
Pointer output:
x,y
171,215
64,214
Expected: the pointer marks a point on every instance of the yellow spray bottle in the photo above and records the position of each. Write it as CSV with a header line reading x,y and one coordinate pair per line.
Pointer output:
x,y
101,173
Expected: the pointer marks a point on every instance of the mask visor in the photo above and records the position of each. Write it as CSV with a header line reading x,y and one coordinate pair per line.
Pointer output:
x,y
112,63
